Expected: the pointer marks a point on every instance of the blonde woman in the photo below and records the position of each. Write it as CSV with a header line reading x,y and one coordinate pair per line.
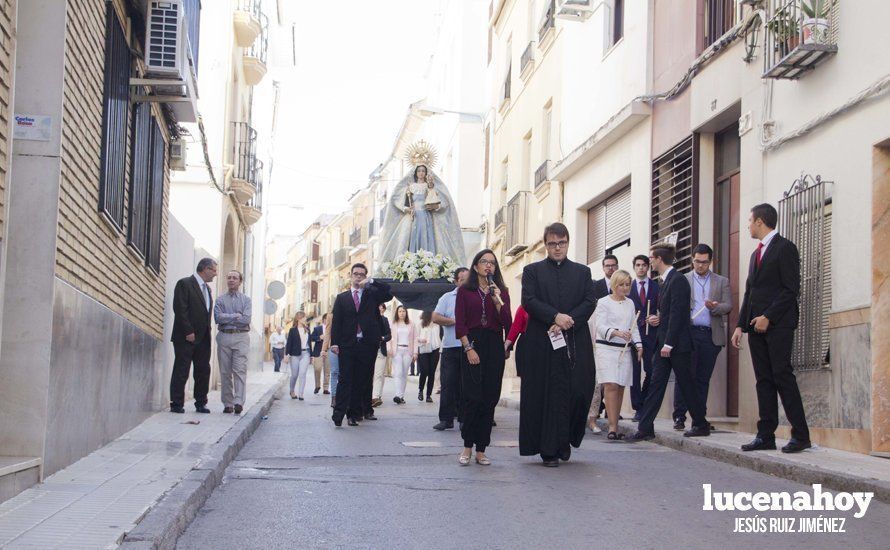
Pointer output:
x,y
298,350
402,350
617,337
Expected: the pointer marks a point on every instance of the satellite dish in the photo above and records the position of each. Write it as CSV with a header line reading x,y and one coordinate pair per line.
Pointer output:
x,y
270,307
275,290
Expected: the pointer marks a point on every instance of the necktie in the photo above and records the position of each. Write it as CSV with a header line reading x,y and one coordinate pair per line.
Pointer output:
x,y
642,292
358,328
758,255
206,296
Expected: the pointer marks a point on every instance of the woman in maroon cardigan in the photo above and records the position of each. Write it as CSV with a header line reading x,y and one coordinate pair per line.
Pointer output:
x,y
481,319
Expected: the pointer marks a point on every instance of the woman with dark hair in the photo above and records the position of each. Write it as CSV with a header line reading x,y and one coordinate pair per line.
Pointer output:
x,y
428,344
402,350
481,319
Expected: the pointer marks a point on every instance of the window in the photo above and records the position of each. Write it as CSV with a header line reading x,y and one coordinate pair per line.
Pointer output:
x,y
614,21
140,180
675,199
805,220
608,225
115,114
527,171
719,17
156,218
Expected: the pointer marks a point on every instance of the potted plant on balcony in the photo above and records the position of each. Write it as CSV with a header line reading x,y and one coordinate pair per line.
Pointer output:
x,y
815,25
786,31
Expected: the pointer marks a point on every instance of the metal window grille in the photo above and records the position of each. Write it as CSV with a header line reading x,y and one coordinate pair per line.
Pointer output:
x,y
140,180
115,119
156,214
805,220
719,17
608,224
675,199
260,46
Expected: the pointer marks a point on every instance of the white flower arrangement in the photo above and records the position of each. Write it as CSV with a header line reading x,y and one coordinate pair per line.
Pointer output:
x,y
422,264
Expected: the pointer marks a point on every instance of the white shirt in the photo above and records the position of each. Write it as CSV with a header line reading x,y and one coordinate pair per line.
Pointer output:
x,y
304,338
278,340
766,240
204,290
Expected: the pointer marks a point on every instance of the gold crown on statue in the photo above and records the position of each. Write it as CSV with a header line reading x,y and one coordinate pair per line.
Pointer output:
x,y
423,153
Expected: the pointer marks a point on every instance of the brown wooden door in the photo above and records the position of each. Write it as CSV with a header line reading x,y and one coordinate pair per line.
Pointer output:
x,y
726,239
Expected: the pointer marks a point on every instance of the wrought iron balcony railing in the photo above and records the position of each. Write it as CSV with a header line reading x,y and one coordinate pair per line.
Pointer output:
x,y
517,223
800,35
244,154
541,173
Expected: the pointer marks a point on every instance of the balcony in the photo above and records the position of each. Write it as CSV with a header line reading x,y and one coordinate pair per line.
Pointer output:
x,y
253,211
312,267
541,174
517,223
548,25
341,258
372,229
505,90
322,264
355,238
527,61
499,215
798,38
247,22
245,175
254,62
575,10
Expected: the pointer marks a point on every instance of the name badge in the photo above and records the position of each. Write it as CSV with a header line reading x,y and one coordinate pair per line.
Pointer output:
x,y
557,340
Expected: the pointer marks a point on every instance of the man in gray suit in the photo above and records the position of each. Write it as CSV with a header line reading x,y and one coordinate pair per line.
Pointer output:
x,y
711,302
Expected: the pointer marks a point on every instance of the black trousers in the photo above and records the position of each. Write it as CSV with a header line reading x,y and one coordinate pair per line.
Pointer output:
x,y
481,387
640,385
355,381
681,365
427,363
771,355
449,399
185,354
704,357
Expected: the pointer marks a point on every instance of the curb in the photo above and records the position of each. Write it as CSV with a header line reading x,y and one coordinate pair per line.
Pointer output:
x,y
767,464
161,526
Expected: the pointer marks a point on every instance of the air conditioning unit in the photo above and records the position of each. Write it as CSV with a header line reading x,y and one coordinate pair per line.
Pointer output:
x,y
178,149
166,39
575,10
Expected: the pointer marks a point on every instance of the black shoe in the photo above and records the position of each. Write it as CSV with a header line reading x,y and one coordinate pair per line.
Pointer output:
x,y
238,409
300,398
429,399
326,392
175,409
420,395
202,409
636,418
796,446
443,426
760,444
679,424
565,454
337,421
640,436
352,422
493,423
317,390
551,462
227,410
395,400
697,431
370,417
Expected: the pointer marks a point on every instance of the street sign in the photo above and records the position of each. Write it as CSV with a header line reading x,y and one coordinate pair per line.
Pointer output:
x,y
275,290
270,307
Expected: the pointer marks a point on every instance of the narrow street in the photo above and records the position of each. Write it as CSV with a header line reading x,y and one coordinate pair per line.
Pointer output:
x,y
395,483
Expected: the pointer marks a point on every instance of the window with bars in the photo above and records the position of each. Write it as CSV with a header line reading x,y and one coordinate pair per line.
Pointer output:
x,y
805,220
115,123
140,180
156,218
608,225
675,199
718,18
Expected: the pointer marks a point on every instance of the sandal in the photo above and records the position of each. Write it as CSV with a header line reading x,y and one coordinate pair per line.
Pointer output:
x,y
484,461
615,436
464,460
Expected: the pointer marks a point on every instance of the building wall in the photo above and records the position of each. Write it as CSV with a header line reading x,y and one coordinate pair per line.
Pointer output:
x,y
7,69
92,256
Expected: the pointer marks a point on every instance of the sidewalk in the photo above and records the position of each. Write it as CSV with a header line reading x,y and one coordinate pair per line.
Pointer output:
x,y
835,469
94,502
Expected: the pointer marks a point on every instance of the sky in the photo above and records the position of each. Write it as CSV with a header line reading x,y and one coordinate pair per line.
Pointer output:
x,y
360,64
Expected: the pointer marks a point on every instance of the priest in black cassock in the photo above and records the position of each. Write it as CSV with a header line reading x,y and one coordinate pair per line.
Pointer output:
x,y
557,384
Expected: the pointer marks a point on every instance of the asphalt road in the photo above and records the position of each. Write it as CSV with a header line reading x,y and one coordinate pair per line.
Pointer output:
x,y
395,483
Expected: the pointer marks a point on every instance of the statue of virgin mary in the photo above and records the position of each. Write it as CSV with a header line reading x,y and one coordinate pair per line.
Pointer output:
x,y
420,214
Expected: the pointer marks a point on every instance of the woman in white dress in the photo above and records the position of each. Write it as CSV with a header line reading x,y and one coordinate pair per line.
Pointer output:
x,y
298,349
617,337
403,350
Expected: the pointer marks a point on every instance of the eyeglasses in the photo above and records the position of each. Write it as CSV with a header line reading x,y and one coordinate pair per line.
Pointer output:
x,y
610,266
555,245
487,262
701,262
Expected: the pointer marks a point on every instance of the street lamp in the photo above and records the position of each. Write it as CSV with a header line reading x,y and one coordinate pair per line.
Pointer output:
x,y
425,111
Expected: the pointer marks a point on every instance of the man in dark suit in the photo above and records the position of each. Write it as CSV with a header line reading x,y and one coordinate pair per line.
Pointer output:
x,y
602,287
769,315
356,333
192,306
319,363
644,294
673,344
